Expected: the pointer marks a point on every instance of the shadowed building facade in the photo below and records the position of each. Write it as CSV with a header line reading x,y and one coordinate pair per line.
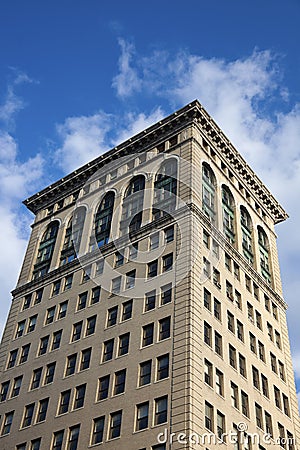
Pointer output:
x,y
149,309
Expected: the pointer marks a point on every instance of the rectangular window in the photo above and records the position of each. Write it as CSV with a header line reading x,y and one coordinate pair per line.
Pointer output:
x,y
24,353
220,425
50,315
4,391
7,423
154,241
230,322
68,282
127,310
147,334
31,324
62,310
265,386
242,365
36,378
50,371
123,344
38,296
217,278
120,380
217,309
258,320
234,395
103,387
255,378
277,397
73,438
20,329
273,362
208,372
108,348
142,416
43,345
119,259
206,267
28,414
169,234
236,270
115,425
164,328
12,359
76,334
228,262
64,401
82,299
253,346
207,299
16,386
27,301
238,299
112,315
259,416
35,444
98,430
281,370
90,325
71,364
99,267
152,269
95,295
240,330
166,294
56,287
130,279
150,300
42,410
278,339
57,443
85,359
86,273
282,439
79,396
261,351
229,291
162,367
248,283
245,404
133,251
286,406
268,422
116,285
209,416
167,262
207,334
218,344
232,356
219,382
145,373
161,410
56,340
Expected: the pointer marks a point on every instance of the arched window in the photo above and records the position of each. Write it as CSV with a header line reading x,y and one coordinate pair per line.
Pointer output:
x,y
228,214
132,213
165,188
73,236
263,245
104,218
246,227
45,252
209,193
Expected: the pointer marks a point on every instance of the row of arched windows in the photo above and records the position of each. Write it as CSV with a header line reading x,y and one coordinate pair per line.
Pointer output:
x,y
229,221
165,187
165,190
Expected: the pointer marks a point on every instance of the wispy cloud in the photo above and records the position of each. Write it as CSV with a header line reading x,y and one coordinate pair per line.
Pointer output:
x,y
127,81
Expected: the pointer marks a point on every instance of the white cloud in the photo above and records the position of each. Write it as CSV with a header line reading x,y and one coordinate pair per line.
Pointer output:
x,y
86,137
83,138
127,80
17,180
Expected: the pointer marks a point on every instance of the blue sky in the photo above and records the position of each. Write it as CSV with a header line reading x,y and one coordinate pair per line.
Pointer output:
x,y
78,77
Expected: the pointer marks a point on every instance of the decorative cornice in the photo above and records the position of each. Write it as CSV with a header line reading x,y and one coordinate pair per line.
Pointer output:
x,y
151,137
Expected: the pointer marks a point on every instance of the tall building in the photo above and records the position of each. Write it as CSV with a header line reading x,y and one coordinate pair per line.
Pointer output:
x,y
148,314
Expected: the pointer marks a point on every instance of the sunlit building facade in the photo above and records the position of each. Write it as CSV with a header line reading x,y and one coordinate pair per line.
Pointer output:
x,y
148,314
